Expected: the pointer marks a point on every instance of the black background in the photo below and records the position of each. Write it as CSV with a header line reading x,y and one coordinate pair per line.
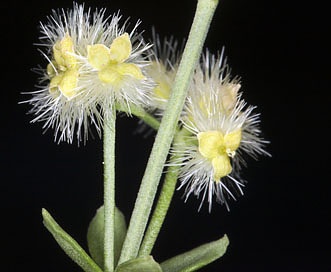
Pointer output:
x,y
282,223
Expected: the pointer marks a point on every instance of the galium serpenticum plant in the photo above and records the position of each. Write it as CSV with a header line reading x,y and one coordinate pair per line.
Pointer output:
x,y
98,67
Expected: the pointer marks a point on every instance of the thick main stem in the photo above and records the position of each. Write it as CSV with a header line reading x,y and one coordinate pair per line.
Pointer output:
x,y
150,181
166,194
109,190
161,210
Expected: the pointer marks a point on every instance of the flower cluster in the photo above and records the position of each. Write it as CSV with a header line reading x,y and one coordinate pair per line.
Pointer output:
x,y
93,63
164,60
222,130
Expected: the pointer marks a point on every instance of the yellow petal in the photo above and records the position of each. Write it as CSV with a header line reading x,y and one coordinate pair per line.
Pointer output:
x,y
232,140
98,56
63,53
162,90
58,54
54,83
162,77
110,75
129,69
120,49
221,166
68,83
210,143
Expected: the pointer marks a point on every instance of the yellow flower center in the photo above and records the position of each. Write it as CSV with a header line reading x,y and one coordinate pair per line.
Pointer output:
x,y
162,90
217,147
63,70
161,76
110,62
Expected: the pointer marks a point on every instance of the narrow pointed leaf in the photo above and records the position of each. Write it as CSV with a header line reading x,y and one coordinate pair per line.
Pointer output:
x,y
197,257
69,245
141,264
95,235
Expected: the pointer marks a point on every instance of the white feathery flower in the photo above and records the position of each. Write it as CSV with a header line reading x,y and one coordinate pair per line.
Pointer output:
x,y
92,64
223,129
164,57
116,68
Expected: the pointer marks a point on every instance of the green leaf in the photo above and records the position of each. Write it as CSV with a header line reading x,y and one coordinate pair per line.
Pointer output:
x,y
197,257
69,245
95,235
141,264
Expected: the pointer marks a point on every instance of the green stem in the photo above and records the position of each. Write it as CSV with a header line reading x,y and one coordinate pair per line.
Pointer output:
x,y
164,200
141,114
109,190
150,181
161,210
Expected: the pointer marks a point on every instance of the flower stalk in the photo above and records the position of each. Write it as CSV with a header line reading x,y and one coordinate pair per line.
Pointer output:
x,y
202,19
141,114
163,203
109,190
161,210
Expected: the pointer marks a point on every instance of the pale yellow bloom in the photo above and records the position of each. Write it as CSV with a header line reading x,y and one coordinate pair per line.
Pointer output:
x,y
222,130
164,56
163,84
92,65
110,62
63,70
217,148
229,92
163,79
